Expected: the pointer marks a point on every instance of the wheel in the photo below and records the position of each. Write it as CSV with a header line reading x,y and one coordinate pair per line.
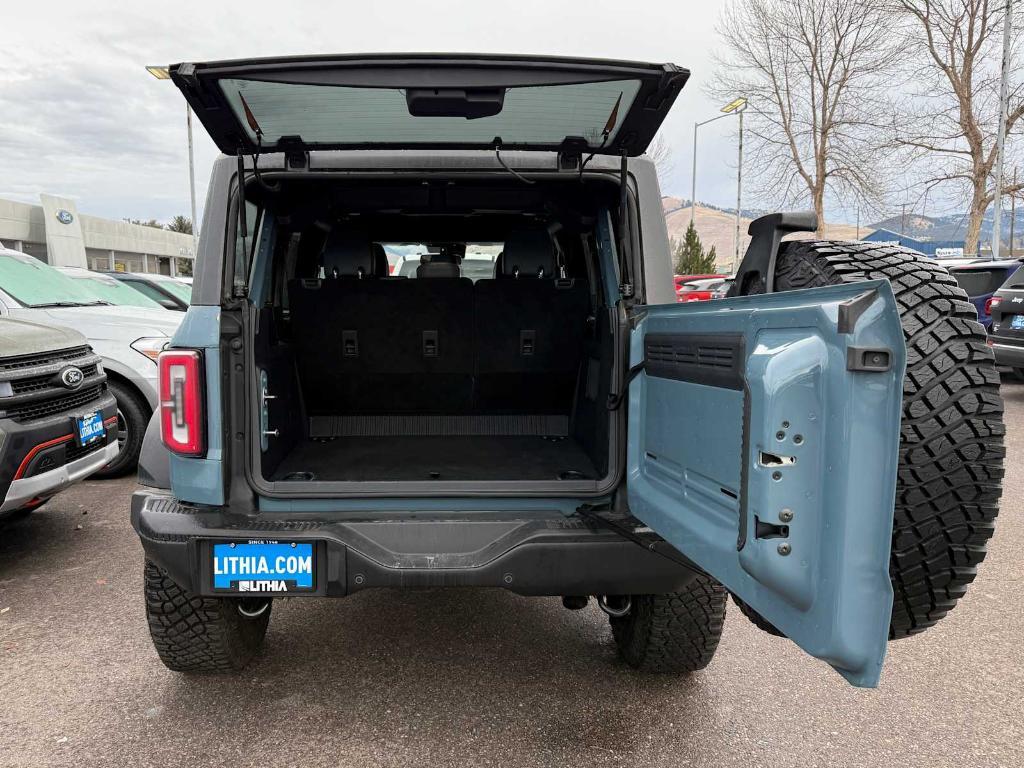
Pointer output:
x,y
132,418
1019,373
756,618
202,634
675,633
951,438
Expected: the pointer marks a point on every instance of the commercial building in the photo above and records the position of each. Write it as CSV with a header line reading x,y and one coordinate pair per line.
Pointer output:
x,y
56,233
942,249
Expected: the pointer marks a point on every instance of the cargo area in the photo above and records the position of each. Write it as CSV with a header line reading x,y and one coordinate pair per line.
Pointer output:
x,y
461,335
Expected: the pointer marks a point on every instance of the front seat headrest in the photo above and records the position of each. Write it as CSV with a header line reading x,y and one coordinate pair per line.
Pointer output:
x,y
380,261
528,253
347,253
439,265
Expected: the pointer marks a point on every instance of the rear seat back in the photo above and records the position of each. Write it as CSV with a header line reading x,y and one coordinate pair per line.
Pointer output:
x,y
441,345
530,329
368,345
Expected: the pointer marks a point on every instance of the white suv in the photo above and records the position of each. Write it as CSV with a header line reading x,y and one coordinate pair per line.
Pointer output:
x,y
128,339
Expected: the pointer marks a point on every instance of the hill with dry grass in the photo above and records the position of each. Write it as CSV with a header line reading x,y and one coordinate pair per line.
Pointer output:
x,y
718,228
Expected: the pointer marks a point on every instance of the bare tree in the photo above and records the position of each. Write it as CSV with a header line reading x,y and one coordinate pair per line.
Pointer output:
x,y
660,154
948,124
814,73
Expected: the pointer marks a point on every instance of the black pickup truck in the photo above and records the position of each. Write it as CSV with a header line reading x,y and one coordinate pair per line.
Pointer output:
x,y
55,414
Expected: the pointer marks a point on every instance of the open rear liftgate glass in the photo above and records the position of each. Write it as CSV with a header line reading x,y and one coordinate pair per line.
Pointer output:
x,y
763,443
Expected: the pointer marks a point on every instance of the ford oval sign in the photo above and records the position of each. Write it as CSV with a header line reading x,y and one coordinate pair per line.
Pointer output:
x,y
72,377
65,217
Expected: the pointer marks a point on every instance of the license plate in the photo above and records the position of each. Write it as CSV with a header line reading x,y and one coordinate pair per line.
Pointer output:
x,y
89,428
263,566
1017,322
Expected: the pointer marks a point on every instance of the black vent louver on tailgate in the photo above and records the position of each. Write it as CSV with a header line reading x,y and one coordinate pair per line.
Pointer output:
x,y
712,359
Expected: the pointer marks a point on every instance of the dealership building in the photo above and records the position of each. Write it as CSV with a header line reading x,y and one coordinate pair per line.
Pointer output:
x,y
54,232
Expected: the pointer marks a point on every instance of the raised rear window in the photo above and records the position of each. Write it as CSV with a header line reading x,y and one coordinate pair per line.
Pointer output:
x,y
332,115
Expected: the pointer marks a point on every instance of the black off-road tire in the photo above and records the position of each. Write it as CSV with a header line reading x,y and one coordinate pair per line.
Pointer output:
x,y
951,437
1019,373
132,418
200,634
676,633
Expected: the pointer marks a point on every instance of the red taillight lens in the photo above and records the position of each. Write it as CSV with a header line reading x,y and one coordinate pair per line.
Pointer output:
x,y
993,301
181,401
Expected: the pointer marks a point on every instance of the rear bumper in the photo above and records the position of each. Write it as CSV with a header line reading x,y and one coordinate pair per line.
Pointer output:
x,y
1008,354
530,555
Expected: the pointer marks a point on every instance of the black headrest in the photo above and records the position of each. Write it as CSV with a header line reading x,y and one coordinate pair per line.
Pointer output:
x,y
438,266
528,253
380,261
347,253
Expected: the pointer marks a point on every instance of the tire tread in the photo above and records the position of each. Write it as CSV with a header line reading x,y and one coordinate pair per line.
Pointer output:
x,y
675,633
951,434
198,634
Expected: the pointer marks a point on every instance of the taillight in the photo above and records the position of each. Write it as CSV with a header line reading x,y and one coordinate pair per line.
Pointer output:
x,y
181,401
993,301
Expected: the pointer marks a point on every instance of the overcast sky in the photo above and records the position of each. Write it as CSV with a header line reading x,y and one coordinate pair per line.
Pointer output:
x,y
80,116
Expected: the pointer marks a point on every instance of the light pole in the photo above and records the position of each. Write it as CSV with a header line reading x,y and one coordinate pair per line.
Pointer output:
x,y
737,106
1001,135
734,107
162,73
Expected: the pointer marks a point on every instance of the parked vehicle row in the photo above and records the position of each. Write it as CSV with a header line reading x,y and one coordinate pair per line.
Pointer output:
x,y
78,373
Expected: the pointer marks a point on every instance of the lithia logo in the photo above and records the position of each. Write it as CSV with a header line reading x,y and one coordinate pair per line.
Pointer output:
x,y
72,377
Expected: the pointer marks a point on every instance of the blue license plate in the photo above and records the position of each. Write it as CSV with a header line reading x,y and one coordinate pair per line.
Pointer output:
x,y
89,428
263,566
1017,322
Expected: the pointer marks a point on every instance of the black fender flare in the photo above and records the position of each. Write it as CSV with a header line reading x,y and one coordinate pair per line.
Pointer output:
x,y
155,459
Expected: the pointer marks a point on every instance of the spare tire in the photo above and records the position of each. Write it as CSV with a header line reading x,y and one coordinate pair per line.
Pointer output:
x,y
951,437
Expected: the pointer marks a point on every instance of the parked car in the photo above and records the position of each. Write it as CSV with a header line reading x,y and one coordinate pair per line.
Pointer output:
x,y
700,290
566,427
981,280
721,291
168,292
1006,336
57,418
679,280
100,286
128,339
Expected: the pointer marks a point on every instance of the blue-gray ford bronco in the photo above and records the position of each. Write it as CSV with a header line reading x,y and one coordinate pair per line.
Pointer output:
x,y
525,406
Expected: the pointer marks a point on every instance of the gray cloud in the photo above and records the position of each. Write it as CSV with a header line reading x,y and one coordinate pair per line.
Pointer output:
x,y
80,116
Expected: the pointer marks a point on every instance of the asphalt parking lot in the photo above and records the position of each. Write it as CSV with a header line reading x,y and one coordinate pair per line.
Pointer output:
x,y
439,678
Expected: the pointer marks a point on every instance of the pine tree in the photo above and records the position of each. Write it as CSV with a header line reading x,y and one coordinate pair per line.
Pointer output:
x,y
690,257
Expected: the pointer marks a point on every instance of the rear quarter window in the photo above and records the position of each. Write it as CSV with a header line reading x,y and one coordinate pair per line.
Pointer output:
x,y
978,282
1016,280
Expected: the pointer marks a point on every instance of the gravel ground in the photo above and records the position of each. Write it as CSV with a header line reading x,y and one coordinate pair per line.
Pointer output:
x,y
439,678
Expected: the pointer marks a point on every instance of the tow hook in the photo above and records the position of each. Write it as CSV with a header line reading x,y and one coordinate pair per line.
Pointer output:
x,y
252,607
615,606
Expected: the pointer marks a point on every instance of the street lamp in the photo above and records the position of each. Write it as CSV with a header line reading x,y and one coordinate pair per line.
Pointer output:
x,y
997,224
163,73
734,107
